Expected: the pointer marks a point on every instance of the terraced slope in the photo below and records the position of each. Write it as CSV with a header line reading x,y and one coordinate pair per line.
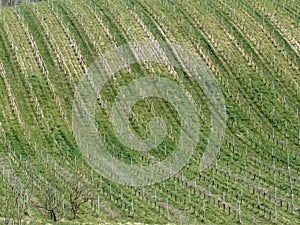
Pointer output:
x,y
253,48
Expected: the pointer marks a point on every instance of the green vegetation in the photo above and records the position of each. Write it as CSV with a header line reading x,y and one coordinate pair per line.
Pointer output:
x,y
253,48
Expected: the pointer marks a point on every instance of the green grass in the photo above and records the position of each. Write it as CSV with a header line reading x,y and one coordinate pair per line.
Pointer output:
x,y
221,35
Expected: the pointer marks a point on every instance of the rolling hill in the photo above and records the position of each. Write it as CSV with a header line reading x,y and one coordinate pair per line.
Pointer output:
x,y
252,48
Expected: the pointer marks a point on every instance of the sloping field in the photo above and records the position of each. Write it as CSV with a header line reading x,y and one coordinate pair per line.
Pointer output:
x,y
253,50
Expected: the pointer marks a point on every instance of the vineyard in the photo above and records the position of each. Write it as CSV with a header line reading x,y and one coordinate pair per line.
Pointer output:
x,y
251,47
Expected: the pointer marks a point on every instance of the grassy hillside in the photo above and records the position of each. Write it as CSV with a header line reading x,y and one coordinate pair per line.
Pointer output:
x,y
253,48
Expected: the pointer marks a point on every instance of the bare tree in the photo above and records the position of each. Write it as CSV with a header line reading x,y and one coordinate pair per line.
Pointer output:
x,y
51,203
78,194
